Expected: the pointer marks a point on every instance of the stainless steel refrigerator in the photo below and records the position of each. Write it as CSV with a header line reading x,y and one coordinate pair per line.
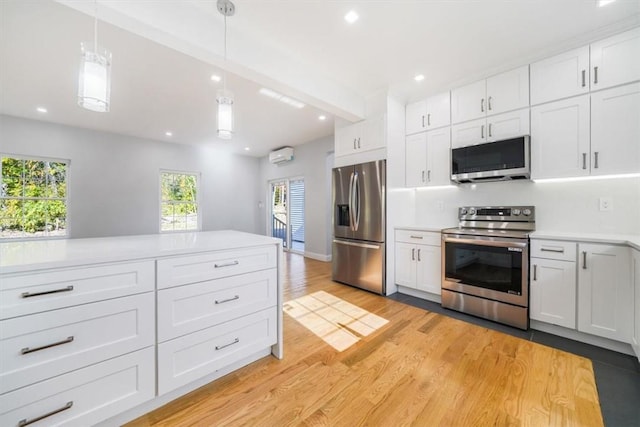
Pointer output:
x,y
359,212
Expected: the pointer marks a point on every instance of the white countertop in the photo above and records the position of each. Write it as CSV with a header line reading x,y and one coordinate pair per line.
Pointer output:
x,y
40,254
424,227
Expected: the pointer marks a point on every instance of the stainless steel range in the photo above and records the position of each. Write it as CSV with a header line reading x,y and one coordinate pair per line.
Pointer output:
x,y
485,263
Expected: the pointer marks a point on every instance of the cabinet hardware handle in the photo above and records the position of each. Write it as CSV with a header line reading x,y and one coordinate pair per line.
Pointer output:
x,y
54,291
354,143
584,160
490,124
482,131
482,105
413,254
489,103
535,272
584,78
429,119
595,75
422,176
423,122
358,142
220,347
222,301
429,175
228,264
26,422
595,160
418,254
28,350
584,260
560,251
416,237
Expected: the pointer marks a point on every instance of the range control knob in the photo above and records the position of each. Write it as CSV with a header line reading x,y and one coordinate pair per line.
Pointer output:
x,y
515,212
463,211
526,212
472,211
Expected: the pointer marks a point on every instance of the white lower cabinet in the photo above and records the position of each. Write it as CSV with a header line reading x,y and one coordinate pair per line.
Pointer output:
x,y
418,266
553,292
635,341
85,396
605,294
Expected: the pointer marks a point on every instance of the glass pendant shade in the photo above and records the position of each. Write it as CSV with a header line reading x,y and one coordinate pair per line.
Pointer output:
x,y
94,87
225,114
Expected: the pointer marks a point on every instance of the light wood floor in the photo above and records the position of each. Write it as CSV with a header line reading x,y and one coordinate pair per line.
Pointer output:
x,y
420,369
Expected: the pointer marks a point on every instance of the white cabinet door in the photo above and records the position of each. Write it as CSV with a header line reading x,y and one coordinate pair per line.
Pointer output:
x,y
405,265
468,102
604,291
438,111
439,157
416,117
508,91
560,139
344,141
635,342
416,160
373,134
507,125
469,133
428,275
561,76
616,60
553,292
615,130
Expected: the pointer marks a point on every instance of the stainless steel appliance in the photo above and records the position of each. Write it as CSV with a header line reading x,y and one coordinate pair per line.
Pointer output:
x,y
493,161
359,209
485,263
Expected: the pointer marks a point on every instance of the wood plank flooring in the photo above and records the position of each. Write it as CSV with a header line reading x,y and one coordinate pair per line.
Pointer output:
x,y
420,369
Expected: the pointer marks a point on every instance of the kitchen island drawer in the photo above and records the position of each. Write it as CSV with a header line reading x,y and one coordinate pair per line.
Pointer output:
x,y
187,358
44,345
553,249
213,265
190,308
418,237
83,397
22,294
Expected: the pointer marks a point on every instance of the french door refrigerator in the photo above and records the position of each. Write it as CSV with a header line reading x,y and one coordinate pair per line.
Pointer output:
x,y
359,211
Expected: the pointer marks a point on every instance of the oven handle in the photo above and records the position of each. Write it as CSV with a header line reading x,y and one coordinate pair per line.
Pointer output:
x,y
489,241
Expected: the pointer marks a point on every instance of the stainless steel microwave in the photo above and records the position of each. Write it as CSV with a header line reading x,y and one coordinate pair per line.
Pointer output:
x,y
492,161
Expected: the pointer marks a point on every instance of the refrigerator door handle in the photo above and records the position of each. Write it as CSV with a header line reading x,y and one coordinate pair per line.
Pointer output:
x,y
357,201
351,219
359,245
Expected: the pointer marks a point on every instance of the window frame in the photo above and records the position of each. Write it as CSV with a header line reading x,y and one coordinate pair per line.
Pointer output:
x,y
66,199
198,177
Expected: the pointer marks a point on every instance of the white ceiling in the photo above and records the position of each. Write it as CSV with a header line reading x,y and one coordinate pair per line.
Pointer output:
x,y
165,51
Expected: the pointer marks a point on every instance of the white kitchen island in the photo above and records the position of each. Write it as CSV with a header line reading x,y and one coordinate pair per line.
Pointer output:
x,y
103,330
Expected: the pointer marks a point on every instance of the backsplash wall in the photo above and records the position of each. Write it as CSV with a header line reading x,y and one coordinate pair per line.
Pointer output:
x,y
567,206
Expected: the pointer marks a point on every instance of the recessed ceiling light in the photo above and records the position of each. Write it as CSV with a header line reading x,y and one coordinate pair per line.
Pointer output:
x,y
216,78
41,110
604,2
280,97
419,77
322,117
247,149
168,133
351,17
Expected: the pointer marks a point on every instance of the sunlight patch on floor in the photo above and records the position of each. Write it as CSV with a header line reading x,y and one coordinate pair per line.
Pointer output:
x,y
338,322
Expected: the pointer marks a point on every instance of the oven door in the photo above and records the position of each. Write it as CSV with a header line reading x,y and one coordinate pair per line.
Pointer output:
x,y
488,267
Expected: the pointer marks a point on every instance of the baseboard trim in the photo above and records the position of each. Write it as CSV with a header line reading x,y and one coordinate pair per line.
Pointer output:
x,y
319,257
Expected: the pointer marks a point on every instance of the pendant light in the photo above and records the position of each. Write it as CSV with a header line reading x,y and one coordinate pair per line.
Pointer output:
x,y
94,86
224,98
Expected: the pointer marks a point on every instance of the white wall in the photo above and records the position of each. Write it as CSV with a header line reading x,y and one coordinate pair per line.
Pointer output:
x,y
310,162
114,179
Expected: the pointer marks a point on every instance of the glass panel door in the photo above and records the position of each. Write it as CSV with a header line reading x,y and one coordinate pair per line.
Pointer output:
x,y
296,215
279,214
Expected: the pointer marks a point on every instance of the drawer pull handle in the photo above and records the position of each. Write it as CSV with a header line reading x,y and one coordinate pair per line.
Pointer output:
x,y
584,260
54,291
535,272
26,422
28,350
559,251
220,347
416,237
228,264
222,301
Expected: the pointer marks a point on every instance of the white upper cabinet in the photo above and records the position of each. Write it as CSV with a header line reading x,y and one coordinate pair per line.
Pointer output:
x,y
365,135
615,130
498,94
493,128
561,76
416,160
428,158
616,60
431,113
560,139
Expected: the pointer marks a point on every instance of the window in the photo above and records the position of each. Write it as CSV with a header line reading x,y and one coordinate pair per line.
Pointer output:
x,y
33,198
179,201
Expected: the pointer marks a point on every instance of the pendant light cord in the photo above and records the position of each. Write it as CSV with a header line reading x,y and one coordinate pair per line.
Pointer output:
x,y
95,27
224,81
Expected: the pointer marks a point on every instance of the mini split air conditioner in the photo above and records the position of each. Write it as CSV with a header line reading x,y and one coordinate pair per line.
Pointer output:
x,y
281,155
